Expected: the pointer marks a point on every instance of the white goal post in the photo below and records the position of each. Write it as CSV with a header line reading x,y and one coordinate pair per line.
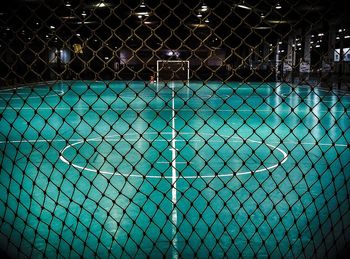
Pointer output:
x,y
173,70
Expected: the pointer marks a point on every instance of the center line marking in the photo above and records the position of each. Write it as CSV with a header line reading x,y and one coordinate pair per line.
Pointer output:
x,y
164,162
174,178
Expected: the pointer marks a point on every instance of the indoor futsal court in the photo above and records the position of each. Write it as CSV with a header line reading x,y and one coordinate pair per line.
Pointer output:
x,y
155,129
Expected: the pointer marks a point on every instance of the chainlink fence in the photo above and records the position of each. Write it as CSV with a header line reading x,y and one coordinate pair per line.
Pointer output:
x,y
174,128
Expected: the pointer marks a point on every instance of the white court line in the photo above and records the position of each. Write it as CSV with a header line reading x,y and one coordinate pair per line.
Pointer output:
x,y
335,91
318,99
39,140
285,157
33,85
80,141
314,144
315,91
27,96
168,109
11,89
173,180
112,138
177,162
109,138
31,91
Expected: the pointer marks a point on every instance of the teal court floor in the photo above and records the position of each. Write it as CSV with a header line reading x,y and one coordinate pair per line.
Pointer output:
x,y
128,169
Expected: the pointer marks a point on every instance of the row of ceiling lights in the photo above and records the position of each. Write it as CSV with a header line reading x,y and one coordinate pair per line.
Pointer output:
x,y
143,11
320,35
203,8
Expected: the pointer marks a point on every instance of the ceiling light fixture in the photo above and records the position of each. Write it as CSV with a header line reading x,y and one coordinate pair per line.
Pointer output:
x,y
242,5
101,4
279,21
262,27
142,11
204,7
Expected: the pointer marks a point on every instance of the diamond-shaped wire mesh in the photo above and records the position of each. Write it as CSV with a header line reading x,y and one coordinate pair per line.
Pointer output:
x,y
174,128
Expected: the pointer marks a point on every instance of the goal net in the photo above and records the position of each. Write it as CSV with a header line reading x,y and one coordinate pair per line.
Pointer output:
x,y
173,70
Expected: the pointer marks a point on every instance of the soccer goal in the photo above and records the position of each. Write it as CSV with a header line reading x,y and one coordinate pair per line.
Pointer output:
x,y
173,70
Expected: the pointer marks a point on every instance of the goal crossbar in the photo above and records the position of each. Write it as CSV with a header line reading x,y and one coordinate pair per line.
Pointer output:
x,y
184,64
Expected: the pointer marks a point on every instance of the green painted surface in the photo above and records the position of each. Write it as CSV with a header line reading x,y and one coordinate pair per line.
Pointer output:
x,y
88,168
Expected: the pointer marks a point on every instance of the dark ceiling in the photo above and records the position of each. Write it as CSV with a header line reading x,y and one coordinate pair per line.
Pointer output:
x,y
173,23
235,31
